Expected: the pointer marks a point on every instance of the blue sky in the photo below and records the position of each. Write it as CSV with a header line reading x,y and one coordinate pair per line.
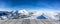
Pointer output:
x,y
30,4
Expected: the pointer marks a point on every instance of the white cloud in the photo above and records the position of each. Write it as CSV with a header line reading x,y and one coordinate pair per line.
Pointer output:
x,y
48,15
5,9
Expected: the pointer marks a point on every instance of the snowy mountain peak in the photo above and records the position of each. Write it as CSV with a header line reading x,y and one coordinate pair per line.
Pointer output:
x,y
23,11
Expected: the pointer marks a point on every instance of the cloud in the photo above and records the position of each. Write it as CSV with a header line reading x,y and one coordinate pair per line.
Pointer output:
x,y
48,14
5,9
51,15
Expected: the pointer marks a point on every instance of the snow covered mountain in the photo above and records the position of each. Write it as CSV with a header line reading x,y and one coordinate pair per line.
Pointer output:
x,y
35,14
23,12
